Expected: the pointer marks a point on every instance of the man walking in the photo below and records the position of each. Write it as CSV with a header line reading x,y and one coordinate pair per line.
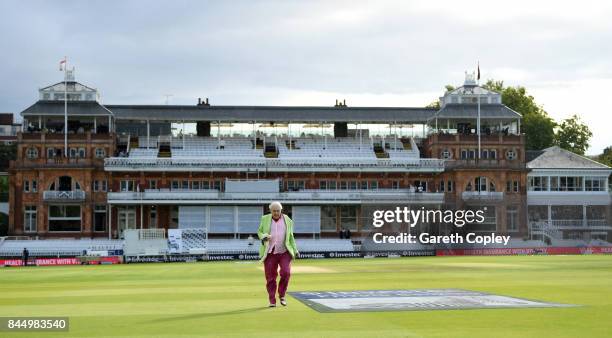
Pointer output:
x,y
277,249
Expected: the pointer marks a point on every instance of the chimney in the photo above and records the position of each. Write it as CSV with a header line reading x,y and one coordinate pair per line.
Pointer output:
x,y
199,101
344,103
208,104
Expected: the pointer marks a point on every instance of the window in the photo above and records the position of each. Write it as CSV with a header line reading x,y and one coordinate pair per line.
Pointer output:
x,y
595,183
492,154
353,185
328,218
295,185
508,186
480,183
34,186
343,185
364,185
512,220
82,153
50,152
441,186
73,152
471,153
446,154
64,217
99,185
450,186
515,186
32,153
570,183
175,184
195,185
100,218
29,218
538,183
26,186
373,185
395,184
100,153
126,185
464,154
420,186
323,185
348,217
484,154
511,154
205,185
217,185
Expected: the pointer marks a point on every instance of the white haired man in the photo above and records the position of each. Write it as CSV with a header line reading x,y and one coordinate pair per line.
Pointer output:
x,y
277,249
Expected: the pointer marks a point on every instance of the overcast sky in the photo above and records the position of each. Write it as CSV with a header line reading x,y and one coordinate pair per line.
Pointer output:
x,y
378,53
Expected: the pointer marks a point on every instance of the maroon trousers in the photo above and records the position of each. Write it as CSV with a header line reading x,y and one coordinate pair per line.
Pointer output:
x,y
271,264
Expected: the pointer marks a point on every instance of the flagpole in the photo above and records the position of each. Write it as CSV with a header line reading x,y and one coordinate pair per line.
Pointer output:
x,y
65,108
478,121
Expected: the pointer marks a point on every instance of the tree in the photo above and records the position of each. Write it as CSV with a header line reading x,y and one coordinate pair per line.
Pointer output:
x,y
606,157
536,124
573,135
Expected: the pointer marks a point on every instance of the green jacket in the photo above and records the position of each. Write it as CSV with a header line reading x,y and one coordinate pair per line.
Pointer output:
x,y
264,231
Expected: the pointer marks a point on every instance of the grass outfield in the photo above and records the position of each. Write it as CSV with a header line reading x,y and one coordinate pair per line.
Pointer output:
x,y
228,299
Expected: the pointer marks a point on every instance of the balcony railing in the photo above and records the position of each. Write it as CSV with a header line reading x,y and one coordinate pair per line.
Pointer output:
x,y
273,164
572,224
355,196
64,196
482,195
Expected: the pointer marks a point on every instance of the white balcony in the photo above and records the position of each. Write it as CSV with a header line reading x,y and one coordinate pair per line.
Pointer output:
x,y
274,164
64,196
184,197
568,197
482,195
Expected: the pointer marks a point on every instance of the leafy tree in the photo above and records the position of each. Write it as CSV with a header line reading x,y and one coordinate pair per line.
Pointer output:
x,y
573,135
606,157
536,124
7,153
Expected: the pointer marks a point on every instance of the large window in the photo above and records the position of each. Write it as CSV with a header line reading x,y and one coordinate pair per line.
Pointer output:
x,y
127,185
328,218
538,183
595,183
65,217
29,218
348,217
100,218
566,183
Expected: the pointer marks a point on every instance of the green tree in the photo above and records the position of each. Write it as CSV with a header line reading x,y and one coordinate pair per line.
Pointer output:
x,y
536,124
573,135
606,157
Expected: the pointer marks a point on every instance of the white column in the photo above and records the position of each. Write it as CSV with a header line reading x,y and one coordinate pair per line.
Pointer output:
x,y
148,133
95,125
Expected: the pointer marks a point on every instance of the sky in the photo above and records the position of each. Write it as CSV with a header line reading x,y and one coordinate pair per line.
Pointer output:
x,y
371,53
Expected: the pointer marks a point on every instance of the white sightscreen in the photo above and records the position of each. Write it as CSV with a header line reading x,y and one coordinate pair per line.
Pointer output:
x,y
192,217
248,219
306,219
221,219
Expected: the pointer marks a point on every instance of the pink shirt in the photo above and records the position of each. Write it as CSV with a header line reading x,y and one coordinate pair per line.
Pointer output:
x,y
278,232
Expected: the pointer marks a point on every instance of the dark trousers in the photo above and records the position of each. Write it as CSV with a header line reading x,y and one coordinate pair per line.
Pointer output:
x,y
271,264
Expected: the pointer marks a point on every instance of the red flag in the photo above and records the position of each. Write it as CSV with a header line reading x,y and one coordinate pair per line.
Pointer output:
x,y
63,62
